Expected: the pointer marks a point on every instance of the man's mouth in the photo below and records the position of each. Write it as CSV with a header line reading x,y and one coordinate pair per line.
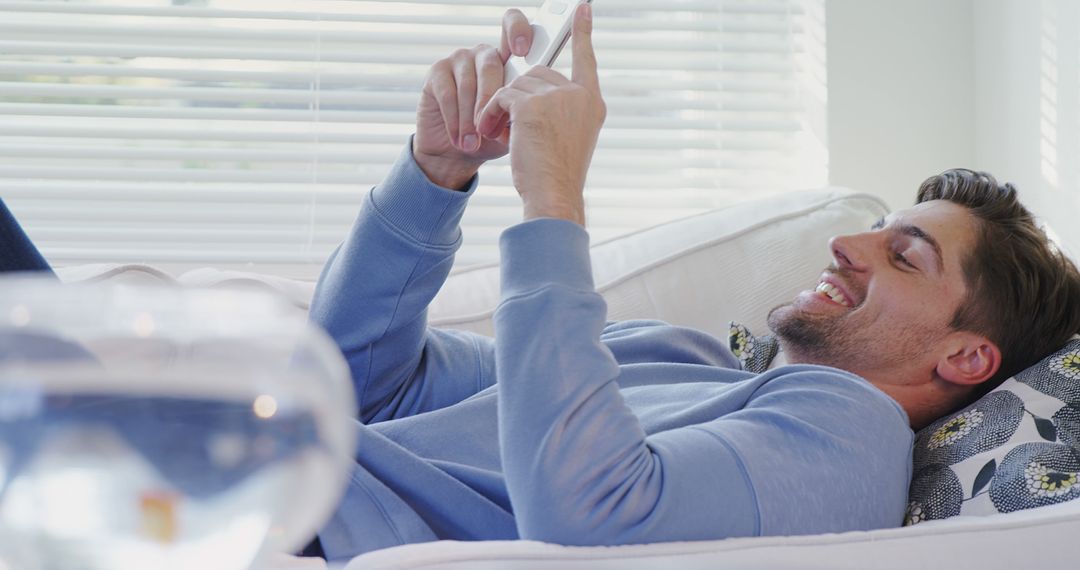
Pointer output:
x,y
834,293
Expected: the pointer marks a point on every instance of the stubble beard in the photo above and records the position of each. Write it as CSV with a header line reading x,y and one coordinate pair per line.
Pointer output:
x,y
847,343
813,339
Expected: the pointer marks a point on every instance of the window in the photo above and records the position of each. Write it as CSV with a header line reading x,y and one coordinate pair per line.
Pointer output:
x,y
244,134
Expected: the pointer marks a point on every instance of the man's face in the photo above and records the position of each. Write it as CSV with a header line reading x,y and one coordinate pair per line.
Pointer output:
x,y
887,299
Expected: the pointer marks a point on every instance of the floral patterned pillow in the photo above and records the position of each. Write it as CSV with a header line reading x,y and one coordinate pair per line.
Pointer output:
x,y
1016,448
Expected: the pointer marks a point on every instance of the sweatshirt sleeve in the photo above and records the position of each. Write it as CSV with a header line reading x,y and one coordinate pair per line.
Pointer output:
x,y
578,465
373,294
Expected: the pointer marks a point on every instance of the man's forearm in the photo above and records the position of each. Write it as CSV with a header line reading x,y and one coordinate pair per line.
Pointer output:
x,y
374,291
567,439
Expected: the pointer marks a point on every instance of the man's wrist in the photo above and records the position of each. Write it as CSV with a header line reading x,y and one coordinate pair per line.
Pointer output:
x,y
571,210
408,200
444,172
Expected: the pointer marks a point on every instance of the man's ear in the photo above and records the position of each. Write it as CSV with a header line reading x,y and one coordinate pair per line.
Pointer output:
x,y
969,359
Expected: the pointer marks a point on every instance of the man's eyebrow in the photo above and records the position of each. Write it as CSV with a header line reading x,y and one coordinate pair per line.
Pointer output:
x,y
918,233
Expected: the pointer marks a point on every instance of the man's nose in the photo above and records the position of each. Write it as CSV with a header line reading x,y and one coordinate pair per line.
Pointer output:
x,y
851,251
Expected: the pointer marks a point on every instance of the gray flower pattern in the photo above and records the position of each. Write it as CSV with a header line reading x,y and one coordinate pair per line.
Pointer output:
x,y
1057,375
1035,475
935,494
984,425
1067,422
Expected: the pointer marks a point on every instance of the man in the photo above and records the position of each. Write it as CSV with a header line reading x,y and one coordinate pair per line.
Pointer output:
x,y
641,432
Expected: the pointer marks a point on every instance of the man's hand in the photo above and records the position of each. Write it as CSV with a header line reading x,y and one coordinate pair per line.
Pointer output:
x,y
447,145
555,125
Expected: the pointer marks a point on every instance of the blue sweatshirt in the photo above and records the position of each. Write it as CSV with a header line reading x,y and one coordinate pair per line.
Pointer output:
x,y
596,433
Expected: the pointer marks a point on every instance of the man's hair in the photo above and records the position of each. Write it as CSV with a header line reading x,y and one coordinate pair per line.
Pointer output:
x,y
1022,292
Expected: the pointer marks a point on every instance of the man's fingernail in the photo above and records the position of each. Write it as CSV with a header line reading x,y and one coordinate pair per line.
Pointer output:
x,y
587,12
521,47
470,142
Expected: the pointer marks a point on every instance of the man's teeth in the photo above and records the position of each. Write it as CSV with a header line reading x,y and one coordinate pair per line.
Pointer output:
x,y
833,293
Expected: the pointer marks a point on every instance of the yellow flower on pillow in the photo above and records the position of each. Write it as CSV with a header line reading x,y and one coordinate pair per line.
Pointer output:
x,y
1067,364
955,429
1045,482
741,342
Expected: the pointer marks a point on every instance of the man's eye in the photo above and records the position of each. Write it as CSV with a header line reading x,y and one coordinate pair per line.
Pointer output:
x,y
900,258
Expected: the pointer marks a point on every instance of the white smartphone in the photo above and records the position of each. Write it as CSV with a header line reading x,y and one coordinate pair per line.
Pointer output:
x,y
551,29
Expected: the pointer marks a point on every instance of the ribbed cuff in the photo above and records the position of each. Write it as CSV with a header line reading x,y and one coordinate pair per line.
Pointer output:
x,y
542,252
416,206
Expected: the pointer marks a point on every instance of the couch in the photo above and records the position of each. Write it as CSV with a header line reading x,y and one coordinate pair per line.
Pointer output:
x,y
733,263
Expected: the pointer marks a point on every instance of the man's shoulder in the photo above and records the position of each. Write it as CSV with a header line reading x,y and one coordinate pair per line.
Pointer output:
x,y
815,435
794,374
653,341
656,327
796,385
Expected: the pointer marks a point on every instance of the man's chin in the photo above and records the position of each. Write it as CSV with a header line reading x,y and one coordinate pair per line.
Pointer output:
x,y
801,332
778,315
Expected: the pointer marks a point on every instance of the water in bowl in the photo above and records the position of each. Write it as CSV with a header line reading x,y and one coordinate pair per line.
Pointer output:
x,y
100,480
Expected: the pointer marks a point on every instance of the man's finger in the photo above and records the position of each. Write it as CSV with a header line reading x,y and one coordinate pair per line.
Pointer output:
x,y
517,34
465,77
497,112
489,76
501,131
444,90
533,84
584,72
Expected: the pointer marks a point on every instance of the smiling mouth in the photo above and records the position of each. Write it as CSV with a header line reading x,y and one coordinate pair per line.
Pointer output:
x,y
834,294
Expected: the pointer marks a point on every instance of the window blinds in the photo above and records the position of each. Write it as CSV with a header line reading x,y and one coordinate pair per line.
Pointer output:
x,y
244,134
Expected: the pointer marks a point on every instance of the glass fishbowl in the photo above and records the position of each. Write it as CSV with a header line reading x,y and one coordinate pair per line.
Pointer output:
x,y
164,427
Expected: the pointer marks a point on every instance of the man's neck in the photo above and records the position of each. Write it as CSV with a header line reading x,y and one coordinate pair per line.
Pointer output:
x,y
923,402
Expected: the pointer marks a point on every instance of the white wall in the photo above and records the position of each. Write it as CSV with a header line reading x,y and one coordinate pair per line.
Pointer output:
x,y
1027,62
919,86
901,86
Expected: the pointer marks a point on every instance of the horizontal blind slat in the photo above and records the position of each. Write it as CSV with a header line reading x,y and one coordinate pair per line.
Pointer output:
x,y
651,40
204,113
730,104
708,82
613,60
390,100
337,11
620,126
